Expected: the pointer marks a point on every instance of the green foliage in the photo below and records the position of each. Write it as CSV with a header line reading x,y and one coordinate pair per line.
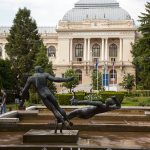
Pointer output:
x,y
64,99
34,97
107,94
71,84
93,97
42,60
41,57
23,44
138,93
145,21
128,82
6,75
136,101
95,81
141,51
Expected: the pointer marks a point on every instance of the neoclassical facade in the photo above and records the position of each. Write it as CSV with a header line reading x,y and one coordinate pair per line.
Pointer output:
x,y
93,31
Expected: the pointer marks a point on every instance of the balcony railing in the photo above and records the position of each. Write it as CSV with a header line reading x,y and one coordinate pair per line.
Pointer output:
x,y
101,63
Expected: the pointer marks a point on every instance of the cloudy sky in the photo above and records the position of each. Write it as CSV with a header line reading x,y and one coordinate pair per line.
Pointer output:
x,y
49,12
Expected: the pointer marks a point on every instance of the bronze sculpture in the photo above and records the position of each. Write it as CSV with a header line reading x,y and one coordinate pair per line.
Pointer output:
x,y
39,81
95,107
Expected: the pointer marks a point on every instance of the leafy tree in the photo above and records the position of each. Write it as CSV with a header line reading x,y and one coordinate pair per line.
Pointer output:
x,y
42,60
128,82
94,80
141,51
23,44
6,75
71,84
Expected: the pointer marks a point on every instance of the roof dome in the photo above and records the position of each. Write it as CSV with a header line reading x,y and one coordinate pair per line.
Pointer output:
x,y
96,9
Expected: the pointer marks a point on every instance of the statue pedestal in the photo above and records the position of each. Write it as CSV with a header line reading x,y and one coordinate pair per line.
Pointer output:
x,y
48,136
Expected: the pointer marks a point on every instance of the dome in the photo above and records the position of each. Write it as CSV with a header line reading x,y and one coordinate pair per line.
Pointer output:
x,y
96,9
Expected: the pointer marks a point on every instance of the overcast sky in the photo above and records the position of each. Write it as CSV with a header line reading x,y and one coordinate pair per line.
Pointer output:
x,y
49,12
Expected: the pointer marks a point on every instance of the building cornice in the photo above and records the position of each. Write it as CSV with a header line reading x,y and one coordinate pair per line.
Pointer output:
x,y
96,30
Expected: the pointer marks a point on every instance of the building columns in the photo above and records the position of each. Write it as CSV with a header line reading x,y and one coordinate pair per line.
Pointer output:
x,y
103,48
71,56
106,49
88,50
121,49
85,51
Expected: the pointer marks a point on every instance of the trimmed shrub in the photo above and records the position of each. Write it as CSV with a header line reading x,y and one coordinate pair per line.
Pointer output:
x,y
64,99
93,97
107,94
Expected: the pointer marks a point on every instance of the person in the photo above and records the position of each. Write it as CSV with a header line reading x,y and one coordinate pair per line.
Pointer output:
x,y
39,81
95,108
3,104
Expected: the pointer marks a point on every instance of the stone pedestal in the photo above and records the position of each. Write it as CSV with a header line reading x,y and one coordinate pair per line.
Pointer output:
x,y
48,136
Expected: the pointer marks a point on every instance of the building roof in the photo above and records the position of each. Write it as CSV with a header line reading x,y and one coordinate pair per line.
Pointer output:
x,y
96,9
5,30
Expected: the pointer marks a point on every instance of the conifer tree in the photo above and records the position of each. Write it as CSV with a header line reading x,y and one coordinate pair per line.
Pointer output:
x,y
23,44
42,60
141,51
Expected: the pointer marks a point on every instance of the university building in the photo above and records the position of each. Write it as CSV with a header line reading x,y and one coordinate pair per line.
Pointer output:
x,y
93,31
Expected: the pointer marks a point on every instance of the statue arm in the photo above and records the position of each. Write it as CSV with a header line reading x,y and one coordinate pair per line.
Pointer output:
x,y
57,79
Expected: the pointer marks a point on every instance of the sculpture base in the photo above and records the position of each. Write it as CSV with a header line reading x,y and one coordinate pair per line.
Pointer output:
x,y
48,136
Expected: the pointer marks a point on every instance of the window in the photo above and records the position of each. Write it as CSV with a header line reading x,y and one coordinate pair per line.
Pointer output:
x,y
0,51
79,59
113,59
79,74
113,50
79,50
113,76
96,50
51,51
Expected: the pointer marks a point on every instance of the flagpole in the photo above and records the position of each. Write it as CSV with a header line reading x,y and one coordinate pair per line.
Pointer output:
x,y
105,75
113,74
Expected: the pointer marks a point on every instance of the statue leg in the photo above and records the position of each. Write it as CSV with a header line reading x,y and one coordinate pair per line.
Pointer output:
x,y
51,107
55,103
56,127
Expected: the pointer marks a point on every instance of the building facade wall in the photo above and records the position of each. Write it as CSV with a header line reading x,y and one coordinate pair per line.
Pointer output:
x,y
80,44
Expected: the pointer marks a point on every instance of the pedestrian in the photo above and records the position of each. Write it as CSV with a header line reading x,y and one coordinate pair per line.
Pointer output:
x,y
3,104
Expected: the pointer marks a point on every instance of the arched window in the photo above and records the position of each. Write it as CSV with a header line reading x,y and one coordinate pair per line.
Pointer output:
x,y
79,73
51,51
113,50
79,50
96,50
113,76
0,51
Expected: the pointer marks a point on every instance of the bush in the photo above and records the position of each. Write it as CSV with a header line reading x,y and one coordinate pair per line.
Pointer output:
x,y
34,98
64,99
93,97
107,94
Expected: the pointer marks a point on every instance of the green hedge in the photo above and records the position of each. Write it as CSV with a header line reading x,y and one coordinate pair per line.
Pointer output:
x,y
64,99
107,94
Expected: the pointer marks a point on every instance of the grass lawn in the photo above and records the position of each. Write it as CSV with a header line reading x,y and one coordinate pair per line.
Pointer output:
x,y
136,101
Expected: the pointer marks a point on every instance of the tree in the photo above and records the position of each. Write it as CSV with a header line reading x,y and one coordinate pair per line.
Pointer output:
x,y
128,82
71,84
141,51
6,75
23,44
42,60
96,81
